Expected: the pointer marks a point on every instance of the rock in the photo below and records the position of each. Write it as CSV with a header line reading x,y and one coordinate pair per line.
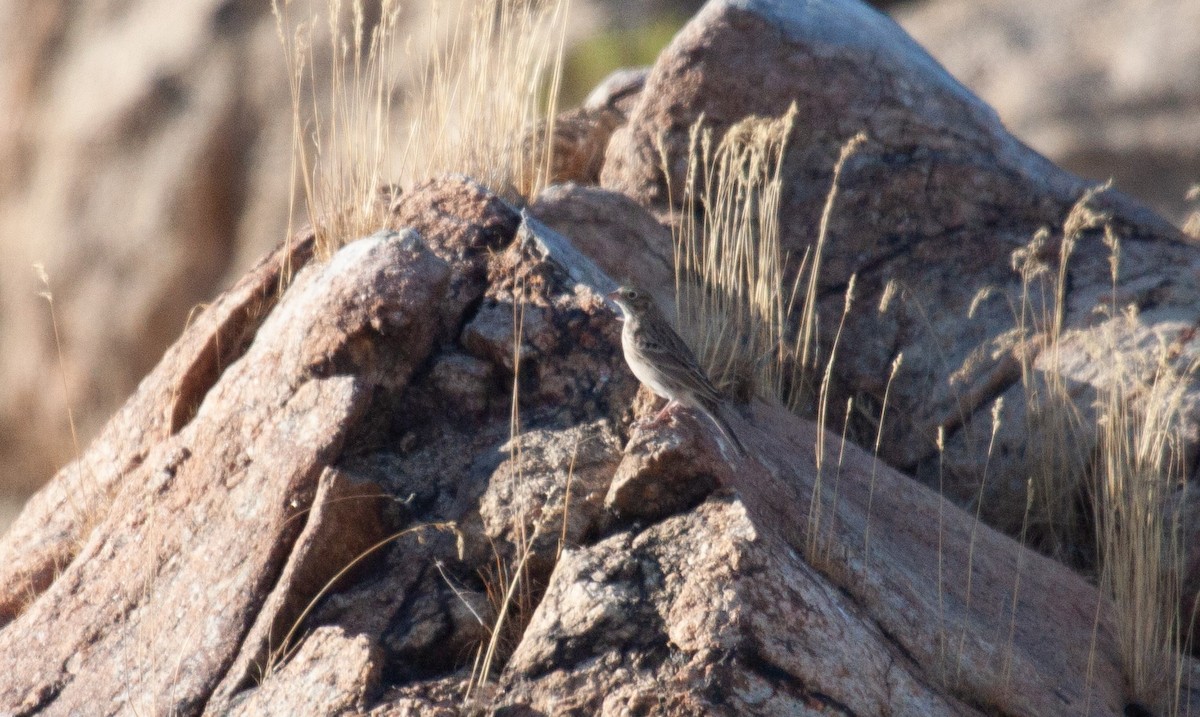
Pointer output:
x,y
345,521
215,497
394,484
662,473
465,381
620,89
529,508
320,532
145,181
1126,112
580,138
622,237
938,209
58,520
669,618
338,671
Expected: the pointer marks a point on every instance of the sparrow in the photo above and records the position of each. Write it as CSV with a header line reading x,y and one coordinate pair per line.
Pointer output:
x,y
661,360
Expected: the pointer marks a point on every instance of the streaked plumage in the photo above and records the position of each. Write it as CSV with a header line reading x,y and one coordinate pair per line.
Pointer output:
x,y
660,359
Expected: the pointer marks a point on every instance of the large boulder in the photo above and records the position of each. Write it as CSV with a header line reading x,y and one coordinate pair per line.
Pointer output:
x,y
417,477
938,217
334,503
1105,89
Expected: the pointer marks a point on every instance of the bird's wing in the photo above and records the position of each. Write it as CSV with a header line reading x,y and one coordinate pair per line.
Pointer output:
x,y
673,358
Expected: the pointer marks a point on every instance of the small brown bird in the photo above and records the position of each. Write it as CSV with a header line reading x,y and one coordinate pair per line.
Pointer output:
x,y
660,359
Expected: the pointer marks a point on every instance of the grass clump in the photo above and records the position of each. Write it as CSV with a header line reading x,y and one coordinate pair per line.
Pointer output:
x,y
366,125
1140,469
754,332
1124,456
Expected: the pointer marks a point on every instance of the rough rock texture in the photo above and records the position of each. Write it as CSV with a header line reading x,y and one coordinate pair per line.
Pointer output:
x,y
1106,89
146,169
942,203
621,236
418,478
328,531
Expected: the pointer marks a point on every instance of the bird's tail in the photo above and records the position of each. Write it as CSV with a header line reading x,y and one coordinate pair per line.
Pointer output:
x,y
714,414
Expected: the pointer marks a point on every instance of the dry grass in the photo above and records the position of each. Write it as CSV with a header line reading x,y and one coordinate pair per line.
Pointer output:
x,y
756,333
1056,457
482,104
734,304
508,585
82,490
1131,477
728,261
1141,465
1141,469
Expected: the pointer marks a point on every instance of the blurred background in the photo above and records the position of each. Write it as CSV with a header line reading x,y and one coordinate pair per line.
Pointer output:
x,y
145,158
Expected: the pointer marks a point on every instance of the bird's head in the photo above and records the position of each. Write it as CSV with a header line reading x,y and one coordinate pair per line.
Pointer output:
x,y
631,300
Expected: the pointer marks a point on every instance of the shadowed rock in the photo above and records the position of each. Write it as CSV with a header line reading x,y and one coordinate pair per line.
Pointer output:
x,y
938,211
360,485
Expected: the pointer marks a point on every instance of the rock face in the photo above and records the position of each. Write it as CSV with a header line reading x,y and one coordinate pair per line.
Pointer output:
x,y
418,478
940,206
143,185
327,530
1106,89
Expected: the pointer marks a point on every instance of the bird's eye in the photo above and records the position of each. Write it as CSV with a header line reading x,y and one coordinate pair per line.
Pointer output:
x,y
630,294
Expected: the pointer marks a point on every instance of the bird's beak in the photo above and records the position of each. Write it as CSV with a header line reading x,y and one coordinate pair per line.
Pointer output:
x,y
612,299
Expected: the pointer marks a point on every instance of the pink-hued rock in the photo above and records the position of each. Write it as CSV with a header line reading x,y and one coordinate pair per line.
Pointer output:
x,y
418,478
324,531
937,210
1104,89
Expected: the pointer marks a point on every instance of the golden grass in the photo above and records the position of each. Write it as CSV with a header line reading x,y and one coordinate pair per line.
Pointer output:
x,y
82,490
1138,538
1056,457
481,104
734,304
754,332
1141,466
728,261
508,587
1129,479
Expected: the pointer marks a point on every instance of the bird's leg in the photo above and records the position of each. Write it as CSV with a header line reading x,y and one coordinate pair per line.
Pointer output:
x,y
663,413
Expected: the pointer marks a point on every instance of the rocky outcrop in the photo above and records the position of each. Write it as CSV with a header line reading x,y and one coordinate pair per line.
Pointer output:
x,y
418,478
1104,89
146,169
938,209
327,529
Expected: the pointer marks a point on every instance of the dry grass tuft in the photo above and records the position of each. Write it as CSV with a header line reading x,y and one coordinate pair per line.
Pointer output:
x,y
728,261
755,332
1132,475
482,105
1056,457
735,306
1140,473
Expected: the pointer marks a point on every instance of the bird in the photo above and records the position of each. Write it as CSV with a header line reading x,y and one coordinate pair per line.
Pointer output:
x,y
662,361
